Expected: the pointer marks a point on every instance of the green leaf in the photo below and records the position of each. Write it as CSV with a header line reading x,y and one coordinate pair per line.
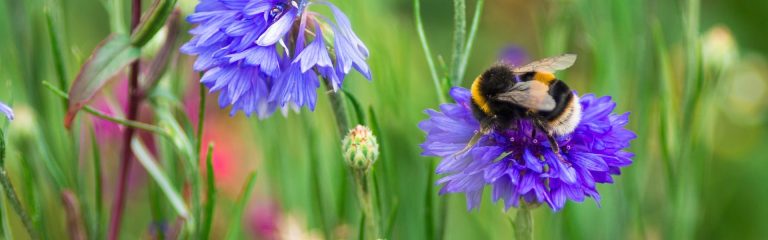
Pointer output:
x,y
160,63
108,59
359,113
146,160
210,193
152,22
237,214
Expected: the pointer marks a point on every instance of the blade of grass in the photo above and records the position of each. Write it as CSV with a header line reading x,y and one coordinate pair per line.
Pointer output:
x,y
59,61
210,194
361,228
315,179
427,53
391,221
145,158
234,230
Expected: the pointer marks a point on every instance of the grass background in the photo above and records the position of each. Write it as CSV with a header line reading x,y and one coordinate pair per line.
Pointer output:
x,y
698,105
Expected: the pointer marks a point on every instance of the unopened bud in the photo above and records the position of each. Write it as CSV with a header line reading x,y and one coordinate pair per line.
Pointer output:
x,y
360,148
719,48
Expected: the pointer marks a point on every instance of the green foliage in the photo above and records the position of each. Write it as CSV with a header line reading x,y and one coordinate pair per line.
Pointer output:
x,y
696,173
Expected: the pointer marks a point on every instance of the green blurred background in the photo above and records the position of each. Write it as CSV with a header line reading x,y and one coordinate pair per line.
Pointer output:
x,y
693,73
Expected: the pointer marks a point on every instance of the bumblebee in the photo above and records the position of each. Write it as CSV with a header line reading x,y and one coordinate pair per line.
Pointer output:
x,y
504,94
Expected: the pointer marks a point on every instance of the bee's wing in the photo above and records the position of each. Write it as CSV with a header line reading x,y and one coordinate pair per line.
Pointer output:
x,y
531,95
551,64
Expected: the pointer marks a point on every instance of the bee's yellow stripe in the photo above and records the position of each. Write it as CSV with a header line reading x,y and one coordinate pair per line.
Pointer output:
x,y
544,77
478,97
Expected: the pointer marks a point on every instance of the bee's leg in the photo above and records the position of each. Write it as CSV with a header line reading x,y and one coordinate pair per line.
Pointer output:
x,y
552,141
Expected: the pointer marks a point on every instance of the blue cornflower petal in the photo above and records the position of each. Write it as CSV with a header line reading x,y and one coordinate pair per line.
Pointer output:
x,y
592,154
345,28
242,47
314,55
278,29
295,87
7,111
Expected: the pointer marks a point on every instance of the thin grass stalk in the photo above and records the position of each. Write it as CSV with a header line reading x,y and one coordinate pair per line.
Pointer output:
x,y
59,61
126,157
427,53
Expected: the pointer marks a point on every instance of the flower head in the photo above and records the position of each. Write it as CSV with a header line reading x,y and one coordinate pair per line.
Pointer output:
x,y
518,166
6,110
267,54
360,148
513,55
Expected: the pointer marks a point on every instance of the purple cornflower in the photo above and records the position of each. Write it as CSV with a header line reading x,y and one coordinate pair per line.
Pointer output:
x,y
513,56
517,166
265,54
7,111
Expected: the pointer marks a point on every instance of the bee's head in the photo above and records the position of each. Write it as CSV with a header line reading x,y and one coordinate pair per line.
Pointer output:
x,y
497,79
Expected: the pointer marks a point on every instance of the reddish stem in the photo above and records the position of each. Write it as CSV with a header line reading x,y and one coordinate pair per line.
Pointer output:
x,y
134,99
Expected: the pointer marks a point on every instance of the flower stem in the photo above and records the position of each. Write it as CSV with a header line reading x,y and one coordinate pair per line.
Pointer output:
x,y
361,177
127,155
366,203
10,192
427,52
523,223
339,109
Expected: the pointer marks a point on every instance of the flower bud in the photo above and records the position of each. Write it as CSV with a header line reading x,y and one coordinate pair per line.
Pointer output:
x,y
719,48
360,148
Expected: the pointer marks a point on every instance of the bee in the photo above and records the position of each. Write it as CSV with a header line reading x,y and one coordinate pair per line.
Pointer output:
x,y
504,94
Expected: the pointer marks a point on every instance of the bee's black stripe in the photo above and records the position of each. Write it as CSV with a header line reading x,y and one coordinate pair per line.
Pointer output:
x,y
562,95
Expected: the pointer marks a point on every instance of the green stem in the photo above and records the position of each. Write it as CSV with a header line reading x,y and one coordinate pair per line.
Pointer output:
x,y
200,120
339,109
210,193
366,203
129,123
523,223
425,46
10,193
471,40
459,39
